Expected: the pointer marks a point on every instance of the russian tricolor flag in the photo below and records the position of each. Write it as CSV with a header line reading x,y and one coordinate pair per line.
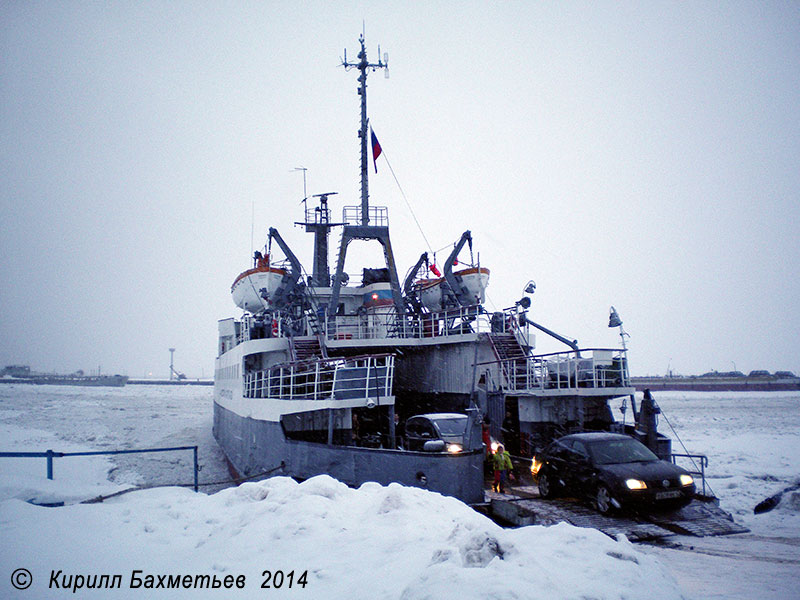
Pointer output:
x,y
376,149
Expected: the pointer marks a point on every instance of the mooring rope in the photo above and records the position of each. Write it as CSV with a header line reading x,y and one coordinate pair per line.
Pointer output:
x,y
686,450
137,488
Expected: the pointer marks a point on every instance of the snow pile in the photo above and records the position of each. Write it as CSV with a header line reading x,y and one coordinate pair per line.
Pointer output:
x,y
373,542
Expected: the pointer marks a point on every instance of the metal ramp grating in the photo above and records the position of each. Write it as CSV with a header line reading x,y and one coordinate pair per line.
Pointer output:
x,y
549,512
698,519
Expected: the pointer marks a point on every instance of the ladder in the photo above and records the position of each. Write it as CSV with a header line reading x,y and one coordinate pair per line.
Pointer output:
x,y
512,357
313,321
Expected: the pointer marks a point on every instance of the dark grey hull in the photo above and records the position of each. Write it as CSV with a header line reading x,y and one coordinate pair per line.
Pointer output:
x,y
254,446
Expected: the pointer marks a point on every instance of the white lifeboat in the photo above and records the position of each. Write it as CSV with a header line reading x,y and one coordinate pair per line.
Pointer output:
x,y
246,289
475,279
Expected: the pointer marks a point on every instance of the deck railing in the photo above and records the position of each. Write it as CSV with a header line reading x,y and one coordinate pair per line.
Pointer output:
x,y
381,325
378,215
447,323
695,469
570,370
367,377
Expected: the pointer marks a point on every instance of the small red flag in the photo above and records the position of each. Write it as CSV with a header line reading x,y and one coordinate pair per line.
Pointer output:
x,y
436,271
376,149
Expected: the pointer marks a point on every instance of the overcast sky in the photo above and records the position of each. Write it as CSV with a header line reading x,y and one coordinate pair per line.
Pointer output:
x,y
642,155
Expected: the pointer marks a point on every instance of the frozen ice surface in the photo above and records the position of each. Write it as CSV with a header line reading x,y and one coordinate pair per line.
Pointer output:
x,y
752,440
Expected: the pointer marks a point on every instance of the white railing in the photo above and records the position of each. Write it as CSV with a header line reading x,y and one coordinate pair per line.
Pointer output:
x,y
254,328
367,377
370,326
603,368
448,323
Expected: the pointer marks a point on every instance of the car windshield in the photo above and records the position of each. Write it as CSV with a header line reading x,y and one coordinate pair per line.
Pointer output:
x,y
610,452
452,426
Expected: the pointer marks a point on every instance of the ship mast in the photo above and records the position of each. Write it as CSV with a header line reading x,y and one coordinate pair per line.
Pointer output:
x,y
364,227
364,65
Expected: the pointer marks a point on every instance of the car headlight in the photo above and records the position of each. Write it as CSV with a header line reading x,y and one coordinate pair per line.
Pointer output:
x,y
635,484
454,448
686,480
535,466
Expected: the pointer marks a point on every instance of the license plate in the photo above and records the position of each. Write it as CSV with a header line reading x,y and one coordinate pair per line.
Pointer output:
x,y
667,495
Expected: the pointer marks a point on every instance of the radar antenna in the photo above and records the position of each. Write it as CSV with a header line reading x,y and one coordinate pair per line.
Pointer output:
x,y
318,222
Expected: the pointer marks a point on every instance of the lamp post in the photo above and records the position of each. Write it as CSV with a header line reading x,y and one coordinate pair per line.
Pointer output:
x,y
615,321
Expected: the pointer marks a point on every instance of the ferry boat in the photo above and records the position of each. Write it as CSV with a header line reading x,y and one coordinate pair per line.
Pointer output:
x,y
321,372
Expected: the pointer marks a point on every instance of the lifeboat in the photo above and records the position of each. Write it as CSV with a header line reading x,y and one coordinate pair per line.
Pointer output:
x,y
247,288
474,279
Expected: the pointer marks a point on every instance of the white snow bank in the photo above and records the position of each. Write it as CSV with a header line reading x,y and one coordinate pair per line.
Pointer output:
x,y
373,542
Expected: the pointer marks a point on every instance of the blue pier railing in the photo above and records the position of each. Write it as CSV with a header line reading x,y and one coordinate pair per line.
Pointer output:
x,y
50,455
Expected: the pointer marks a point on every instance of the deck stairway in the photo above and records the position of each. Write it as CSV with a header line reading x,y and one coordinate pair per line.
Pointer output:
x,y
512,357
309,348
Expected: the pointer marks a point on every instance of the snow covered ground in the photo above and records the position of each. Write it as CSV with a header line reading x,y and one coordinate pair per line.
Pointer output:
x,y
320,539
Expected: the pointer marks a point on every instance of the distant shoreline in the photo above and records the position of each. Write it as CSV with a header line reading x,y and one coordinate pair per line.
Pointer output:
x,y
170,382
102,381
717,384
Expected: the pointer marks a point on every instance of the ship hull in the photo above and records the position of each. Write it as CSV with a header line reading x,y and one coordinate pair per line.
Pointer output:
x,y
255,446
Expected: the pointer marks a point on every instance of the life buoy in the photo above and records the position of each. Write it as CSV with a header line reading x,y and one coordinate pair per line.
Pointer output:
x,y
274,327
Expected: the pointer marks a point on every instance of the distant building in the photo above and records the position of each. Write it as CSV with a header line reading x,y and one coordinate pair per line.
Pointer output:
x,y
16,371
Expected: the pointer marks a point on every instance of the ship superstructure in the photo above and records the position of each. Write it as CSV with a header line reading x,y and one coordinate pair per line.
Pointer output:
x,y
321,372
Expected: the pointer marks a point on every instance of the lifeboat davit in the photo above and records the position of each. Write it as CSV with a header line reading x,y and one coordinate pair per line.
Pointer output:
x,y
475,279
247,288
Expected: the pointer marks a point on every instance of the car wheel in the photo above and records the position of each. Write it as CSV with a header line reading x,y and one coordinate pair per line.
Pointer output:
x,y
603,500
547,486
